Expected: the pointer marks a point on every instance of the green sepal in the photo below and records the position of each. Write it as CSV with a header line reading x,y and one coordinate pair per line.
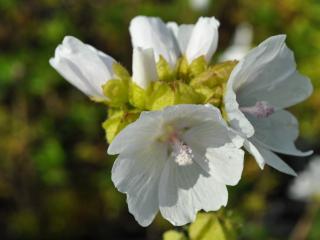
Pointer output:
x,y
116,90
198,66
183,69
161,95
117,120
185,94
211,95
164,70
137,96
120,71
215,75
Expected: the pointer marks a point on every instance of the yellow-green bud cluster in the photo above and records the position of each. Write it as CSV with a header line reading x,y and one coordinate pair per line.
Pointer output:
x,y
194,83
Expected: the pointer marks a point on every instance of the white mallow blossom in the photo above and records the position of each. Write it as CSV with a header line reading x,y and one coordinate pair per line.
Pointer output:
x,y
241,43
177,160
261,85
306,185
171,41
83,66
88,68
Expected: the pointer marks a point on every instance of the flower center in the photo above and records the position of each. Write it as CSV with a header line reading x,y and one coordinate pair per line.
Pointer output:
x,y
261,109
181,152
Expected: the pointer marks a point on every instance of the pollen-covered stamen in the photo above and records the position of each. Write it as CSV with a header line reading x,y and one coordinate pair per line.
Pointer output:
x,y
181,152
261,109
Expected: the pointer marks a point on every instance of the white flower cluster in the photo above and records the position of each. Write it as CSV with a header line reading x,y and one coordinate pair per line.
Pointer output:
x,y
179,159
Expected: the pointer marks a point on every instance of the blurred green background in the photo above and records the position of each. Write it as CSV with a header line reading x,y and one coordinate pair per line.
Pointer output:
x,y
54,170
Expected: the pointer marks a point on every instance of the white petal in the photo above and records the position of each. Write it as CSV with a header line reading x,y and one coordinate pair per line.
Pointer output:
x,y
182,34
138,134
274,161
83,66
235,117
184,190
205,135
213,149
138,176
144,68
226,163
277,132
151,32
255,153
203,40
189,115
268,73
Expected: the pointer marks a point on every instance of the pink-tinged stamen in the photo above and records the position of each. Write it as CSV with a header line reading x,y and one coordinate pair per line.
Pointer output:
x,y
261,109
181,152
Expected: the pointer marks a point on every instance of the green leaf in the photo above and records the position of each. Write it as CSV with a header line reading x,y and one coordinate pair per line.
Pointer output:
x,y
164,70
120,71
174,235
183,69
162,95
116,90
198,66
186,94
209,226
137,96
215,75
119,120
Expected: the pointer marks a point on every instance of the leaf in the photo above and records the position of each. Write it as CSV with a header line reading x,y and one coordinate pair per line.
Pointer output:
x,y
120,71
208,226
174,235
198,66
137,96
162,95
119,120
185,94
116,90
215,75
164,70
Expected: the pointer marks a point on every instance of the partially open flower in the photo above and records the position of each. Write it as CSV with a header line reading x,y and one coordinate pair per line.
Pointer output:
x,y
172,41
83,66
260,86
177,160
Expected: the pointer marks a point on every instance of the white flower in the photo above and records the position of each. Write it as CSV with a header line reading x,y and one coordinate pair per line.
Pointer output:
x,y
83,66
88,68
260,86
171,41
178,160
199,5
306,185
240,45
